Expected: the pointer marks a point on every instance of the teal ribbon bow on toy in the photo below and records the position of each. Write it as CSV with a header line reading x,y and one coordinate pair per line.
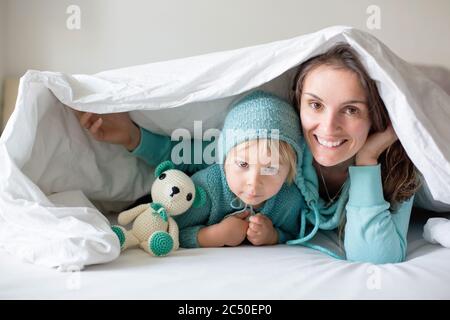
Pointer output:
x,y
159,209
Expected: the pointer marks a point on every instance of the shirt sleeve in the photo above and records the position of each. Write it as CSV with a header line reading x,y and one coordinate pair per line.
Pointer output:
x,y
374,232
190,222
154,149
284,236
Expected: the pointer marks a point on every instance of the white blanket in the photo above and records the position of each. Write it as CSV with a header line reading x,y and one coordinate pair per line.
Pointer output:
x,y
50,167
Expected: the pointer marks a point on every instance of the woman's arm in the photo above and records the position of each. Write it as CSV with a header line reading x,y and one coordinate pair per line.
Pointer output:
x,y
154,149
374,232
118,128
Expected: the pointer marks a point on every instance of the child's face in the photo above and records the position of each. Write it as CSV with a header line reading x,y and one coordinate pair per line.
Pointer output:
x,y
254,173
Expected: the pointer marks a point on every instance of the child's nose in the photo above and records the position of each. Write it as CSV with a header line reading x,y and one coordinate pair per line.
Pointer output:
x,y
253,178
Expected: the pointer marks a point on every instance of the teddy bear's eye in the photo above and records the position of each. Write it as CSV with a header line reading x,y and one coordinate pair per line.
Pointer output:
x,y
162,176
189,196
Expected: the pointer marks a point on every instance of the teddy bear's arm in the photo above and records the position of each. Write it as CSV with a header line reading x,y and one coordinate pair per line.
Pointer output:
x,y
127,216
174,233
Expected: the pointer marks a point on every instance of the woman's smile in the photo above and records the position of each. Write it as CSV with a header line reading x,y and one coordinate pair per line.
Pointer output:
x,y
329,143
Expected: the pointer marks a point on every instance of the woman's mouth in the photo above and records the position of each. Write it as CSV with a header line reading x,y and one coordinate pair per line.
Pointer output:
x,y
330,144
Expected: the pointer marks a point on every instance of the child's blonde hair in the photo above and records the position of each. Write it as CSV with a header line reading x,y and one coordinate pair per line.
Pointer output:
x,y
289,157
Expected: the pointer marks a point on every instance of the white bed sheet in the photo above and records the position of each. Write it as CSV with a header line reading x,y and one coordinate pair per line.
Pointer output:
x,y
246,272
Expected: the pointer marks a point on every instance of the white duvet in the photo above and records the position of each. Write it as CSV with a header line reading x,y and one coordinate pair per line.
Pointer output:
x,y
51,171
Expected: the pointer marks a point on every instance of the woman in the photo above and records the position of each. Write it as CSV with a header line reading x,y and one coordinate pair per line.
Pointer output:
x,y
360,165
355,177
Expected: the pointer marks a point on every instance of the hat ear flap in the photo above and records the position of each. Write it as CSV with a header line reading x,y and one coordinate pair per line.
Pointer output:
x,y
200,197
163,166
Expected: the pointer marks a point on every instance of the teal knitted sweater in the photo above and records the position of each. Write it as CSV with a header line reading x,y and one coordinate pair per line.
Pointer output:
x,y
282,209
374,232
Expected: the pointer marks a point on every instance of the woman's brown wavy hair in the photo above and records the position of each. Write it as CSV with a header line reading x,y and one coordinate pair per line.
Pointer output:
x,y
399,175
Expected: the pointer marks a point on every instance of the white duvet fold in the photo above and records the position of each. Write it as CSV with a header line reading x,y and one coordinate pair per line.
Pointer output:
x,y
50,167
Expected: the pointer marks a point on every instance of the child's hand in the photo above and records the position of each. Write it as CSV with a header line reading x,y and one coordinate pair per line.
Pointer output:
x,y
230,231
234,229
112,127
261,231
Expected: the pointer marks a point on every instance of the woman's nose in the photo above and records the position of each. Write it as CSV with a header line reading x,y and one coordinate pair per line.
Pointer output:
x,y
330,123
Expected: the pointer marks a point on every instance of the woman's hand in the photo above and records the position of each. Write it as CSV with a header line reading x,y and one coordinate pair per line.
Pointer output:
x,y
261,231
375,145
230,231
114,128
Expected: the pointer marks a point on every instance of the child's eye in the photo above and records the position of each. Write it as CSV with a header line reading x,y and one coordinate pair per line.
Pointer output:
x,y
315,105
242,164
269,171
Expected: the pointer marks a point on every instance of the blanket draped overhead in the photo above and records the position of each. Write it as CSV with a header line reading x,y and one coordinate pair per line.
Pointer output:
x,y
52,171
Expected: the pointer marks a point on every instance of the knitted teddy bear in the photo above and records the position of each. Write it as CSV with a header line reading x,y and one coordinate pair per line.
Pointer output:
x,y
154,230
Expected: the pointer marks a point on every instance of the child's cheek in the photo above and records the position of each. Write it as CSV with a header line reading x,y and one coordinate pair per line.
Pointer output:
x,y
232,180
275,184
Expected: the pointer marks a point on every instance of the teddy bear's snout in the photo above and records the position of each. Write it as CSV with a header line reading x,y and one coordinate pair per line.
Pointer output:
x,y
175,190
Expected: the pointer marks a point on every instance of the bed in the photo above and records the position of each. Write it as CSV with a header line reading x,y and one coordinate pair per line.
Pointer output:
x,y
245,272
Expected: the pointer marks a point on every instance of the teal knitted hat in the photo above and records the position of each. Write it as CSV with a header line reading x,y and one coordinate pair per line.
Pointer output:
x,y
260,115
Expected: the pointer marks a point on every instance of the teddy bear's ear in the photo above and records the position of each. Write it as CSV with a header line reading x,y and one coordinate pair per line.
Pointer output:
x,y
164,166
200,197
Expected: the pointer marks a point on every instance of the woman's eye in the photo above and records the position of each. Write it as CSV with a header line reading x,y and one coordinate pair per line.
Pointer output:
x,y
351,110
242,164
315,105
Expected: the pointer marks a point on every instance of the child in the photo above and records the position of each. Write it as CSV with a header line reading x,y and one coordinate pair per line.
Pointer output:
x,y
250,193
251,179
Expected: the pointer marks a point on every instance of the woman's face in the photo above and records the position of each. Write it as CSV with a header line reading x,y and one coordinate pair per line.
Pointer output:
x,y
334,114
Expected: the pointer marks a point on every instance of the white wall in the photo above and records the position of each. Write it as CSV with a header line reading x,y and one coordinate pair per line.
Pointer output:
x,y
119,33
2,50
